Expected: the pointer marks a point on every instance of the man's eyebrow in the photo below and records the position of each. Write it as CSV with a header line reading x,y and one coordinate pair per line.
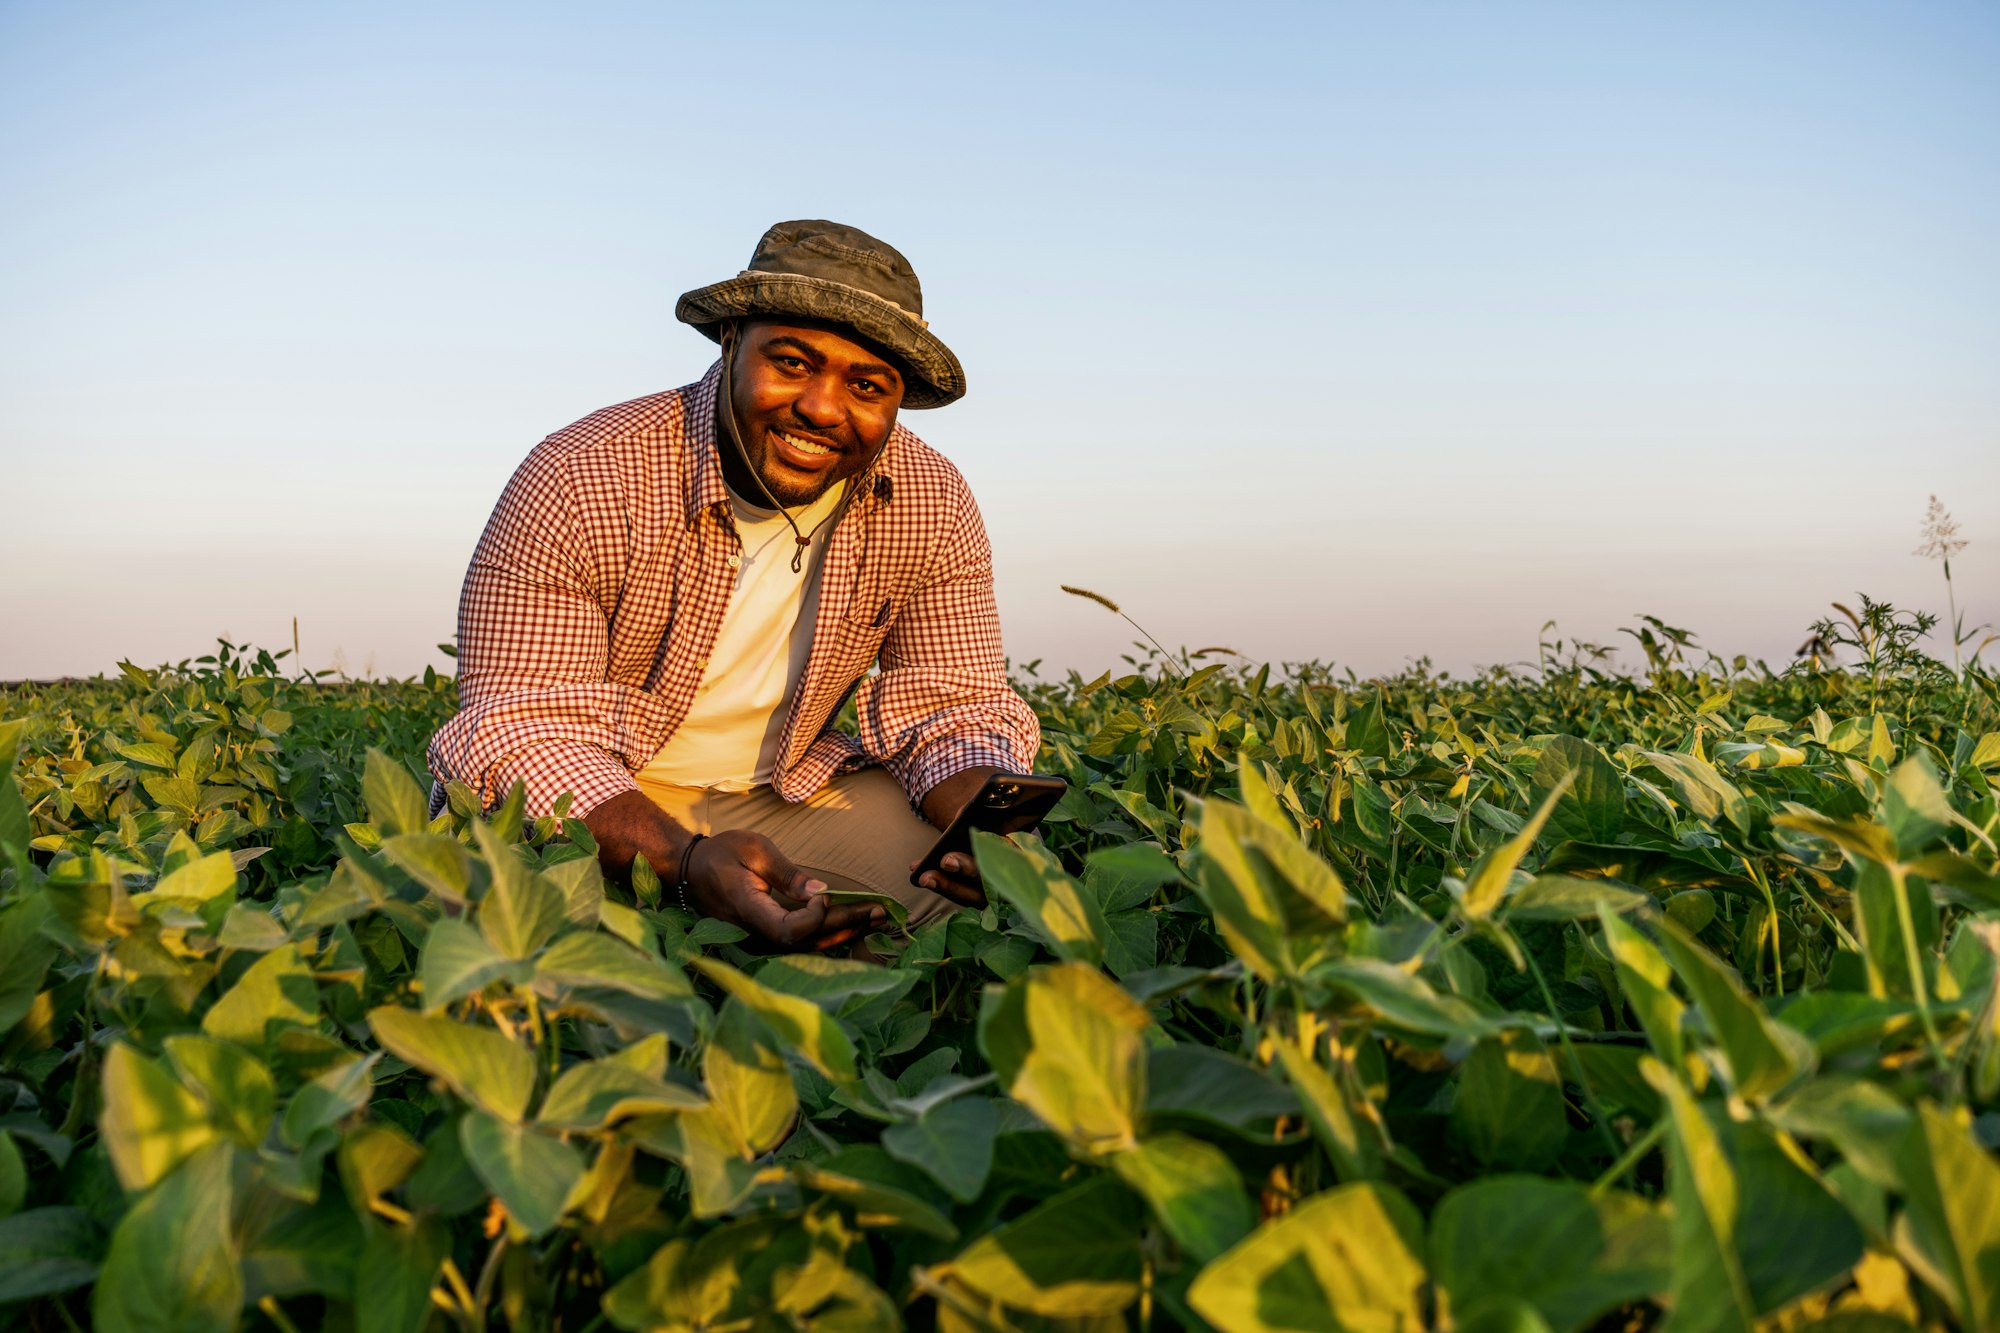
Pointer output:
x,y
813,354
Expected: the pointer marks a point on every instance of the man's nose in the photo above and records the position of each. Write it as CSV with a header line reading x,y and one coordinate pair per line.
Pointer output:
x,y
818,403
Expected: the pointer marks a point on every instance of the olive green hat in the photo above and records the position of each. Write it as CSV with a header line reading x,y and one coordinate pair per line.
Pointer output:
x,y
823,270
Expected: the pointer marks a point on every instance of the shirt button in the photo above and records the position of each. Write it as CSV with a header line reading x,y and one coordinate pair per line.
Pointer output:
x,y
702,665
736,562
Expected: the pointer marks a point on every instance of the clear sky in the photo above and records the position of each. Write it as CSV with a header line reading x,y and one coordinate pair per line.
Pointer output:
x,y
1357,332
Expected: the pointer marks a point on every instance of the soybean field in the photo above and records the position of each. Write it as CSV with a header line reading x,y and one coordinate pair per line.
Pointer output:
x,y
1556,997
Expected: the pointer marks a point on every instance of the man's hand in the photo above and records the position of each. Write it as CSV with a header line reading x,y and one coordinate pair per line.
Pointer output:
x,y
958,879
744,880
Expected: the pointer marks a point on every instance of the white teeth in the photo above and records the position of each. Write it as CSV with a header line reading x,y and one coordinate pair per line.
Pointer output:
x,y
803,446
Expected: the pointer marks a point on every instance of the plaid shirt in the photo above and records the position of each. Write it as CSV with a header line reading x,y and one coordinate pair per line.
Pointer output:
x,y
596,593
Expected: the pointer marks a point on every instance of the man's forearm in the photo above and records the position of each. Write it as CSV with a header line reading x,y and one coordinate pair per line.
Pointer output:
x,y
630,825
943,802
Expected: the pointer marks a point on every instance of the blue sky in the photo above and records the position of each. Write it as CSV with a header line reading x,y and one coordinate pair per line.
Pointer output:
x,y
1350,332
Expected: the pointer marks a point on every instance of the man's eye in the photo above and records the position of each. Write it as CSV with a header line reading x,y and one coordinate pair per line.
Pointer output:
x,y
868,388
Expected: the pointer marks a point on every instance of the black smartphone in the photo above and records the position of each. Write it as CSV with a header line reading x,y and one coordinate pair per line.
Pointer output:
x,y
1008,803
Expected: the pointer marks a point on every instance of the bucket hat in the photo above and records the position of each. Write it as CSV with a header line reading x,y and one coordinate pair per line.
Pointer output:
x,y
823,270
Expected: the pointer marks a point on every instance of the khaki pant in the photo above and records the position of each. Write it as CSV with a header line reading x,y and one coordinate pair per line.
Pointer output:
x,y
857,832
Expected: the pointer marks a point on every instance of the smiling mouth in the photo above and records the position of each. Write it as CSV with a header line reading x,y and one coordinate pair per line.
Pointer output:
x,y
802,452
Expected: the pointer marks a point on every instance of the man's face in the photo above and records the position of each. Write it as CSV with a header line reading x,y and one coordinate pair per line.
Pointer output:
x,y
813,406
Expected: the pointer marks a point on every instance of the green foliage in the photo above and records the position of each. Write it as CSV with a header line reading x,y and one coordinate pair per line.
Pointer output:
x,y
1541,1000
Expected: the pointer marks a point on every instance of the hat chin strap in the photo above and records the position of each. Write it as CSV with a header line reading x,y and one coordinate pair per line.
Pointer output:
x,y
728,405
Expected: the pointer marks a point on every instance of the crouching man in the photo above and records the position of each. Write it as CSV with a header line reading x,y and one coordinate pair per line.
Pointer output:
x,y
675,596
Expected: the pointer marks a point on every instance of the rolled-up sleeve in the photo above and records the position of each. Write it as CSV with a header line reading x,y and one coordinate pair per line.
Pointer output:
x,y
941,702
535,705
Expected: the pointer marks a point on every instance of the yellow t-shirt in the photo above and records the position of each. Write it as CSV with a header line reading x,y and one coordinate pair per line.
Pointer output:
x,y
729,739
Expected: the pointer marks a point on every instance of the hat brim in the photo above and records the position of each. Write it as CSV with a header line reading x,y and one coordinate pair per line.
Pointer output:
x,y
934,375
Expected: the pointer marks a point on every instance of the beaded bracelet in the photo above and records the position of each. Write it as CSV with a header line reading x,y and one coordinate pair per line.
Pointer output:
x,y
681,880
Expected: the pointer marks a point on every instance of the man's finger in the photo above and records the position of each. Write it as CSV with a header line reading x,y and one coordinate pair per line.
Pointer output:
x,y
767,916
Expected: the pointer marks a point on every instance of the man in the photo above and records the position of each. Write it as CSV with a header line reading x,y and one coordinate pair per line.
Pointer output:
x,y
675,595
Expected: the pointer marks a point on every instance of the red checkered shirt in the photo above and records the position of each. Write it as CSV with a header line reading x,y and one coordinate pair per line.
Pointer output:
x,y
596,593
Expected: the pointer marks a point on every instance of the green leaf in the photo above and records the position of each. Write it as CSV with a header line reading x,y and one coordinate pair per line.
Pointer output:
x,y
1349,1142
458,961
1569,1253
521,911
13,1176
150,1123
895,908
238,1089
437,861
1216,1090
198,880
1491,876
1194,1190
1348,1259
1278,906
1562,898
1508,1112
1126,876
595,1093
277,991
801,1027
1077,1254
1759,1054
1792,1235
1914,807
593,958
46,1251
863,1178
399,1266
1405,1000
375,1158
750,1090
1949,1232
1066,1043
952,1143
173,1266
478,1063
837,985
1032,881
1646,978
1709,1288
395,803
1701,789
531,1173
1591,807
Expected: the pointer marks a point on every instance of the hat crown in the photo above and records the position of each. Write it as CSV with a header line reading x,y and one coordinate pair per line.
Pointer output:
x,y
832,252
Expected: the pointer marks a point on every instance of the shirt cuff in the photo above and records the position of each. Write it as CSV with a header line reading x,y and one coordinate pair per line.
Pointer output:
x,y
588,773
953,754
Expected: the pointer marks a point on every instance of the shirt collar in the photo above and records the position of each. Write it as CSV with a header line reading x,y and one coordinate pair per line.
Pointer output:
x,y
704,487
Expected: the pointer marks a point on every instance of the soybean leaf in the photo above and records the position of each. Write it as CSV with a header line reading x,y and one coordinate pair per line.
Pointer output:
x,y
395,803
478,1063
1077,1254
1759,1054
1568,1252
1194,1190
45,1251
1350,1258
277,991
1065,1042
458,961
1950,1230
1508,1111
1493,873
1277,905
172,1266
592,958
150,1123
238,1089
952,1142
800,1026
1709,1289
1068,920
392,1282
1591,807
530,1172
596,1093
